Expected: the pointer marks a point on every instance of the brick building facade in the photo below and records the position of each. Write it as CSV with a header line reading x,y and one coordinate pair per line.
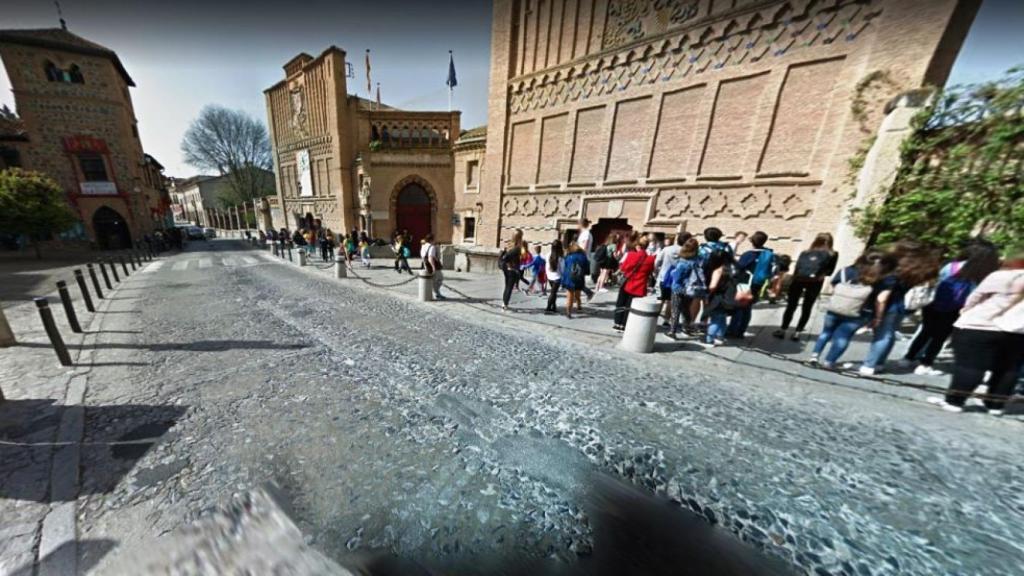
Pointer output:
x,y
74,106
681,114
353,164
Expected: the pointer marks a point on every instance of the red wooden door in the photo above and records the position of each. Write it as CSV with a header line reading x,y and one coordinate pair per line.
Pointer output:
x,y
413,213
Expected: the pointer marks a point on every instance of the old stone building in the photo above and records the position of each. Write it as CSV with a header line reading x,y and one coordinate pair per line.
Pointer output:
x,y
351,163
74,107
680,114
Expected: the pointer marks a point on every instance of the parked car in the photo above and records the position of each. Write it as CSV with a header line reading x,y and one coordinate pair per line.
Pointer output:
x,y
195,233
210,232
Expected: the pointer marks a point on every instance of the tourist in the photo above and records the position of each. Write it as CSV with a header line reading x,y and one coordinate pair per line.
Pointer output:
x,y
712,246
525,258
606,257
432,264
310,242
957,280
813,266
299,239
637,266
554,274
575,267
686,279
853,304
585,240
759,262
738,241
538,269
327,245
916,264
508,261
718,274
989,337
401,250
664,263
364,250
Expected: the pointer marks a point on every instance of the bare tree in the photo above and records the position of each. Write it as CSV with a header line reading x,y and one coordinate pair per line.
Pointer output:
x,y
235,145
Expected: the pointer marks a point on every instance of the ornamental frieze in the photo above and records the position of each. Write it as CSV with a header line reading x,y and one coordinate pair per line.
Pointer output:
x,y
781,202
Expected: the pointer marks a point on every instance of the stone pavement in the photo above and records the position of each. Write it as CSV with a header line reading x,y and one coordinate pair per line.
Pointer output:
x,y
41,419
481,292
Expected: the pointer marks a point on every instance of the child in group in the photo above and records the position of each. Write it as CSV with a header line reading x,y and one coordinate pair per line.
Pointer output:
x,y
364,251
525,259
687,284
537,266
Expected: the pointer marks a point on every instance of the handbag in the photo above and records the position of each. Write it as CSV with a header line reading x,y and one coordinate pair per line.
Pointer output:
x,y
918,297
848,298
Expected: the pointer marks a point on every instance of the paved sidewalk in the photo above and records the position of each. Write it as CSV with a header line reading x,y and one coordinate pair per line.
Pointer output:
x,y
481,293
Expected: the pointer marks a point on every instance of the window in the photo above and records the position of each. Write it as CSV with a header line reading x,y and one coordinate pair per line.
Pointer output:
x,y
53,73
468,228
72,75
472,174
75,75
9,158
93,168
135,131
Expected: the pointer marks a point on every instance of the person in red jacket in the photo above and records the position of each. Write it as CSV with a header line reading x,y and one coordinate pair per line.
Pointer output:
x,y
636,269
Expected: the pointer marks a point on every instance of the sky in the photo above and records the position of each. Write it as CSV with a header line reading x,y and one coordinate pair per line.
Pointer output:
x,y
186,54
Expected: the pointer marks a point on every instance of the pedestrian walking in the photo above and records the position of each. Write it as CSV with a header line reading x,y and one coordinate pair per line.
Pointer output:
x,y
554,274
585,240
637,266
989,338
813,267
508,261
759,262
310,242
607,259
432,264
525,258
957,280
401,250
853,304
686,281
538,272
364,251
575,269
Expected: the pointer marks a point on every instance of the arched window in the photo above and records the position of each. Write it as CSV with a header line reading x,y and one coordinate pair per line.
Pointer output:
x,y
52,72
76,74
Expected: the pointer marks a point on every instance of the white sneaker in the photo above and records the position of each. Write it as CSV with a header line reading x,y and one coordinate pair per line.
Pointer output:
x,y
923,370
813,359
866,371
996,412
952,408
941,403
827,365
602,291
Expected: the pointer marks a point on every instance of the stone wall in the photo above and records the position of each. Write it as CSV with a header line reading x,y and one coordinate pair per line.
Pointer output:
x,y
686,114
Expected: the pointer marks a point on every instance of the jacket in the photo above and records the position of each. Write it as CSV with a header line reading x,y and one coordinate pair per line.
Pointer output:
x,y
997,304
636,267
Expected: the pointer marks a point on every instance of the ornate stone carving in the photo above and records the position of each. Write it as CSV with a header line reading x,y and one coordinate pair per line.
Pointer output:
x,y
297,100
509,206
549,206
672,204
749,203
631,20
769,33
528,206
364,194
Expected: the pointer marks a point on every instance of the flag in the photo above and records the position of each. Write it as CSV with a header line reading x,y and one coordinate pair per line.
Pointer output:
x,y
452,81
369,87
378,95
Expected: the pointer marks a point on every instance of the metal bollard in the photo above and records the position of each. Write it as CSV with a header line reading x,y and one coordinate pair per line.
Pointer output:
x,y
302,256
85,290
290,253
95,280
106,279
124,266
6,335
131,261
426,282
641,324
51,330
69,308
113,268
273,248
340,267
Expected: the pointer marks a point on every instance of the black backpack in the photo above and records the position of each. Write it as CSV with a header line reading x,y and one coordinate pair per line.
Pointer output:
x,y
810,263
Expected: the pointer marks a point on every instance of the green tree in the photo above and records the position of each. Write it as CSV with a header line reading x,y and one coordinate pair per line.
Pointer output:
x,y
961,171
32,204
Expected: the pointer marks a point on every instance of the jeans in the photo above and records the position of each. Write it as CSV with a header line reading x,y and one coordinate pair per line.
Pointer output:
x,y
622,305
438,282
884,339
979,351
680,307
553,295
936,327
809,289
839,330
716,325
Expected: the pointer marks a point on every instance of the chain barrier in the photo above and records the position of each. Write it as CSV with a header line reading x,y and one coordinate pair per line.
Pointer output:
x,y
352,271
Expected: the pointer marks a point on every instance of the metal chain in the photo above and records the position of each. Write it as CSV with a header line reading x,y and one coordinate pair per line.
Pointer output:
x,y
352,271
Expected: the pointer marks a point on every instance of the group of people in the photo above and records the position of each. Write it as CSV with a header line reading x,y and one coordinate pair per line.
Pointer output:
x,y
322,238
708,289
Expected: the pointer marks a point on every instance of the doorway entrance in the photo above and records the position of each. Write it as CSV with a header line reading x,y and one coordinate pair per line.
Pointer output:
x,y
111,229
605,227
413,213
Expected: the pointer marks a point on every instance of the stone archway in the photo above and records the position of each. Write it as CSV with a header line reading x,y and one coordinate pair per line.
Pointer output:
x,y
413,208
111,229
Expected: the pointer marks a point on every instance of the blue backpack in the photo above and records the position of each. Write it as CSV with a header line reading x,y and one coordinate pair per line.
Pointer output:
x,y
951,294
763,268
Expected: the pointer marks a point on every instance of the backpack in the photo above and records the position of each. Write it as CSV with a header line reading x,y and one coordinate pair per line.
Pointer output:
x,y
763,267
738,292
577,272
405,252
810,263
695,285
951,294
509,259
848,298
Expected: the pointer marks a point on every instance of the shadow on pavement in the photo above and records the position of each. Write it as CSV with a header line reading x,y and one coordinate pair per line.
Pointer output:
x,y
117,435
89,552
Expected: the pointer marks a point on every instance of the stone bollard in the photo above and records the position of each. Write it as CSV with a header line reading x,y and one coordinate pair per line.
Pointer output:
x,y
302,256
426,282
641,325
6,334
340,267
51,330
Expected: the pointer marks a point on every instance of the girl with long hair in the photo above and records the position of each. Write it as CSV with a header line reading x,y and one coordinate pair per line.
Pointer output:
x,y
813,266
509,262
607,261
575,267
554,272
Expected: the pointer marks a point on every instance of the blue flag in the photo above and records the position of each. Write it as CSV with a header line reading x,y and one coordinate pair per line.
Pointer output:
x,y
452,81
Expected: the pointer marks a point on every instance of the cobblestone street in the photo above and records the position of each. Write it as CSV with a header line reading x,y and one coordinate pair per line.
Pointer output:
x,y
435,433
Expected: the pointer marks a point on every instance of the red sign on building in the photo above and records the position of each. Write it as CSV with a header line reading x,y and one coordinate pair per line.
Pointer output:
x,y
82,143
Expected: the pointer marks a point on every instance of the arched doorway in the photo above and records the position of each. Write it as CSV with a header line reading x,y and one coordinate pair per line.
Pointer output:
x,y
111,229
413,212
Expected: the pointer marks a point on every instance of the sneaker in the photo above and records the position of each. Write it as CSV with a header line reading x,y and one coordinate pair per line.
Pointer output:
x,y
952,408
666,324
718,342
780,334
795,336
941,403
827,365
813,359
923,370
602,291
996,412
866,371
